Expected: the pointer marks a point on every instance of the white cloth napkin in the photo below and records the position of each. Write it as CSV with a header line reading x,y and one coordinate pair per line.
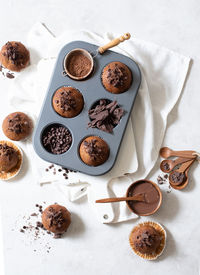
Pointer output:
x,y
163,76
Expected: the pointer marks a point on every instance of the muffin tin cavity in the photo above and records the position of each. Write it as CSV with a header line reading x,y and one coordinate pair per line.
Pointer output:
x,y
67,102
92,92
56,139
105,115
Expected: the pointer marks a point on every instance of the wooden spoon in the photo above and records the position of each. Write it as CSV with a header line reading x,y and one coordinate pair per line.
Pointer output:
x,y
184,184
166,152
138,197
182,169
170,164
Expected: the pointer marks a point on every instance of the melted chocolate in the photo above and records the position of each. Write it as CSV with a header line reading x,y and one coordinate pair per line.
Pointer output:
x,y
152,198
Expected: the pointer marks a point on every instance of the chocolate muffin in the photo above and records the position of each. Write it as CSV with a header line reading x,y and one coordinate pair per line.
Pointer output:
x,y
148,240
8,158
56,218
17,126
116,77
14,56
68,102
94,151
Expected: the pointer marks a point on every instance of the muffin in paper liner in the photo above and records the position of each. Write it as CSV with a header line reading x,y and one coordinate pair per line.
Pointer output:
x,y
159,250
15,170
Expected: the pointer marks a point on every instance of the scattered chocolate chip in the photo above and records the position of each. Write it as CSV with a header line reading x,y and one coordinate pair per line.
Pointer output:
x,y
22,231
34,215
9,75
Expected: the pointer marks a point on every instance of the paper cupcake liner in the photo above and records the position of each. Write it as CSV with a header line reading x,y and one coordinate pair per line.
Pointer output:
x,y
160,249
15,170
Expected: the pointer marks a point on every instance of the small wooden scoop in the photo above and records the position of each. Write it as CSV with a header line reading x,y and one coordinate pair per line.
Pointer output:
x,y
182,169
138,197
166,152
168,165
184,184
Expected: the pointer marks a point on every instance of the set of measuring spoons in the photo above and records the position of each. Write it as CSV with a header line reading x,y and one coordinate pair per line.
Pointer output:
x,y
178,168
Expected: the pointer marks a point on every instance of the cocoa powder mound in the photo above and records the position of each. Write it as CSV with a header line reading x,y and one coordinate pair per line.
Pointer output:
x,y
79,65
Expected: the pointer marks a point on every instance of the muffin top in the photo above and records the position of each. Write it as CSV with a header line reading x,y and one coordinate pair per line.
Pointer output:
x,y
14,56
17,126
116,77
146,239
94,151
8,158
68,102
56,218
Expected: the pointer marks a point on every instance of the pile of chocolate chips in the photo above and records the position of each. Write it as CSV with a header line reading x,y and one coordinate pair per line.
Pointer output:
x,y
8,74
66,101
92,149
13,54
65,171
57,139
105,115
117,76
16,124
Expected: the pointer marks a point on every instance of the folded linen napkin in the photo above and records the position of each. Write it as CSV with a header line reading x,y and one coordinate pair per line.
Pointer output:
x,y
163,76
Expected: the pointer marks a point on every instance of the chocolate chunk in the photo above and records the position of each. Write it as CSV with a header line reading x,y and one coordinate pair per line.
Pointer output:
x,y
117,77
67,101
105,115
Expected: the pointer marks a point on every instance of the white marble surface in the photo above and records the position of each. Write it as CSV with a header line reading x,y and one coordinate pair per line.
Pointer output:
x,y
91,247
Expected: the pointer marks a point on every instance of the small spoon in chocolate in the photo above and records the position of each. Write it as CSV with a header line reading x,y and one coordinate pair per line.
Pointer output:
x,y
179,176
138,197
168,165
166,152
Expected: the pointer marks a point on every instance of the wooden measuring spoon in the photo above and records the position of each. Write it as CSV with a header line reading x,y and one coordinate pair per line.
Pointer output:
x,y
184,184
138,197
168,165
182,173
166,152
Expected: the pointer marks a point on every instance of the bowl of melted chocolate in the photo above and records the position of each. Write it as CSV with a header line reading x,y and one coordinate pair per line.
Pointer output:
x,y
152,197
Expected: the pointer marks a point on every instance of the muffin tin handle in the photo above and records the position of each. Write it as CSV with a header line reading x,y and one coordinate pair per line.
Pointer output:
x,y
114,43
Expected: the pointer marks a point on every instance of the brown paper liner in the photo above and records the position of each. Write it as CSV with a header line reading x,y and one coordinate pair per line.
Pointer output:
x,y
159,250
15,170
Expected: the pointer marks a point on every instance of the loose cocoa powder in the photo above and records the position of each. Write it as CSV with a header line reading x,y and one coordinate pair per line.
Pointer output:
x,y
79,65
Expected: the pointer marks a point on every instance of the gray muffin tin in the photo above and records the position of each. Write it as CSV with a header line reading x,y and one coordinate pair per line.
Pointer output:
x,y
92,91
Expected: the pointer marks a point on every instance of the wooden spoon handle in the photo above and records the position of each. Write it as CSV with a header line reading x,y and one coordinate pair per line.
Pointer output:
x,y
183,154
185,166
139,197
114,42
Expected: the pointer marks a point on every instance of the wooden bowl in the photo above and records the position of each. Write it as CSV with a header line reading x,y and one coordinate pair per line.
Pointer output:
x,y
156,187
